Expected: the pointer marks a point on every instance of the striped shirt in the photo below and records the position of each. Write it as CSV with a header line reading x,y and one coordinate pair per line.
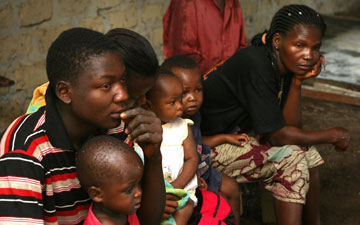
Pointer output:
x,y
38,180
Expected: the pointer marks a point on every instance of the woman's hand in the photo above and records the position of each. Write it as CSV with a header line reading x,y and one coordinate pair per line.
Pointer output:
x,y
145,128
236,139
314,72
341,138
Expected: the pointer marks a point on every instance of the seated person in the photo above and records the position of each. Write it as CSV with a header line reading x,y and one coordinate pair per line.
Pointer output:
x,y
87,95
187,70
258,91
110,171
179,157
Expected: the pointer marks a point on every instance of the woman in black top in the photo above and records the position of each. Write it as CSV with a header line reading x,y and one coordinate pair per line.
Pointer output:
x,y
258,91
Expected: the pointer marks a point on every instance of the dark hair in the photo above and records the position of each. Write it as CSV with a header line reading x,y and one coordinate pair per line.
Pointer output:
x,y
286,19
70,52
181,61
95,159
138,54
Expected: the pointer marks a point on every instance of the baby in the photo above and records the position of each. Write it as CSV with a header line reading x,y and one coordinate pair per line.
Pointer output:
x,y
187,70
178,149
110,171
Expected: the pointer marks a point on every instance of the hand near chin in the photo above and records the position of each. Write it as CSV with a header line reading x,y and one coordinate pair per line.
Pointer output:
x,y
144,127
342,138
314,72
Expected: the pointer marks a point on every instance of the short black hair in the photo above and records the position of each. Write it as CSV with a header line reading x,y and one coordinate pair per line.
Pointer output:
x,y
95,156
180,61
70,52
138,54
286,19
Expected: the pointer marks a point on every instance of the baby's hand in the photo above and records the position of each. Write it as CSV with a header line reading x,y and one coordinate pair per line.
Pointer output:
x,y
237,139
202,183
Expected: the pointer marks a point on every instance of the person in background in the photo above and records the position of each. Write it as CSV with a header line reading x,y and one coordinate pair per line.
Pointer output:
x,y
110,171
87,95
208,31
258,91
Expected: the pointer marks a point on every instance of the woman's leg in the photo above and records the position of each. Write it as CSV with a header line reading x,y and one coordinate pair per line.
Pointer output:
x,y
288,213
312,206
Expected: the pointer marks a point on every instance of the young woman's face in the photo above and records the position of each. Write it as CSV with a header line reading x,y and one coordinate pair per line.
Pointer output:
x,y
166,103
192,89
122,192
138,86
100,94
299,49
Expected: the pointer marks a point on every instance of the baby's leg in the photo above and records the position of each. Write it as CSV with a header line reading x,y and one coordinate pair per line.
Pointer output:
x,y
183,215
229,189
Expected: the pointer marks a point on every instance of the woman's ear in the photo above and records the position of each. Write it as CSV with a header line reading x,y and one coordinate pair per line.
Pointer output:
x,y
276,40
63,91
96,194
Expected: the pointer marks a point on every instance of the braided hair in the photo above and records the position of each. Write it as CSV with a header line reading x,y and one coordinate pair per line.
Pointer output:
x,y
286,19
138,54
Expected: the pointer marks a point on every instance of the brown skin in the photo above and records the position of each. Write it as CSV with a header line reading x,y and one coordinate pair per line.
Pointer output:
x,y
120,195
192,101
298,52
98,100
165,101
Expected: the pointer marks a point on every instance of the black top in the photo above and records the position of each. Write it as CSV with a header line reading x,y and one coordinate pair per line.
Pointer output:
x,y
242,94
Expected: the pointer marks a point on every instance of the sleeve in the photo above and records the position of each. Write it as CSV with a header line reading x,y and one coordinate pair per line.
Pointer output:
x,y
185,125
242,42
180,30
21,185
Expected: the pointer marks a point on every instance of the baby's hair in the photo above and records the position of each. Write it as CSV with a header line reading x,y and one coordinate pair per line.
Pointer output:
x,y
96,159
138,54
71,51
286,19
162,72
180,61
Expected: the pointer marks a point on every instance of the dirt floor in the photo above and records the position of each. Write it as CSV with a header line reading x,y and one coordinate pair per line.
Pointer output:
x,y
340,177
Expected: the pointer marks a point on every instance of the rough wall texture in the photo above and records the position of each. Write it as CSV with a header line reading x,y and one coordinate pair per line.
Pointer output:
x,y
28,27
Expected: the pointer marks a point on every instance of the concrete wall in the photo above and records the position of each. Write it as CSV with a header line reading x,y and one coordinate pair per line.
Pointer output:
x,y
28,27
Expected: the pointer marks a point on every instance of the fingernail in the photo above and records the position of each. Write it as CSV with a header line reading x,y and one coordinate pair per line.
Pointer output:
x,y
122,115
126,131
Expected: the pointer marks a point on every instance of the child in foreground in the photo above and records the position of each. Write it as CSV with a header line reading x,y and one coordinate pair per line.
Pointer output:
x,y
187,70
110,171
178,149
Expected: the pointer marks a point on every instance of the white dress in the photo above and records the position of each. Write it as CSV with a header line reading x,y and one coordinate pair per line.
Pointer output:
x,y
172,151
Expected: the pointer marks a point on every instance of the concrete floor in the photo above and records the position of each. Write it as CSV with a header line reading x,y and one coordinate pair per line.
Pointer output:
x,y
341,48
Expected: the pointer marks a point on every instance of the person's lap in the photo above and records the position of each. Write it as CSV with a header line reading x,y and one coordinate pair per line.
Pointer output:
x,y
283,170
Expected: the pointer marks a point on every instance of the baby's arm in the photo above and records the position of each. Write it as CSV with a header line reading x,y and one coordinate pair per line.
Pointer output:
x,y
191,161
183,215
235,139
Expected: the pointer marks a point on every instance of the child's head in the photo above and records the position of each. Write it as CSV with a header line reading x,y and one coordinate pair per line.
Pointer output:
x,y
164,98
110,171
188,71
140,60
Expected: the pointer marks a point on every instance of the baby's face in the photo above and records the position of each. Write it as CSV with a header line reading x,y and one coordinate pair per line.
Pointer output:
x,y
192,89
122,192
167,103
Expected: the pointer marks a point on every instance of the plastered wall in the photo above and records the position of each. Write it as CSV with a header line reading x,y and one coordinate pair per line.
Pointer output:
x,y
28,27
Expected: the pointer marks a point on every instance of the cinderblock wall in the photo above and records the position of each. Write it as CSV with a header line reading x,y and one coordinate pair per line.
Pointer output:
x,y
28,27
